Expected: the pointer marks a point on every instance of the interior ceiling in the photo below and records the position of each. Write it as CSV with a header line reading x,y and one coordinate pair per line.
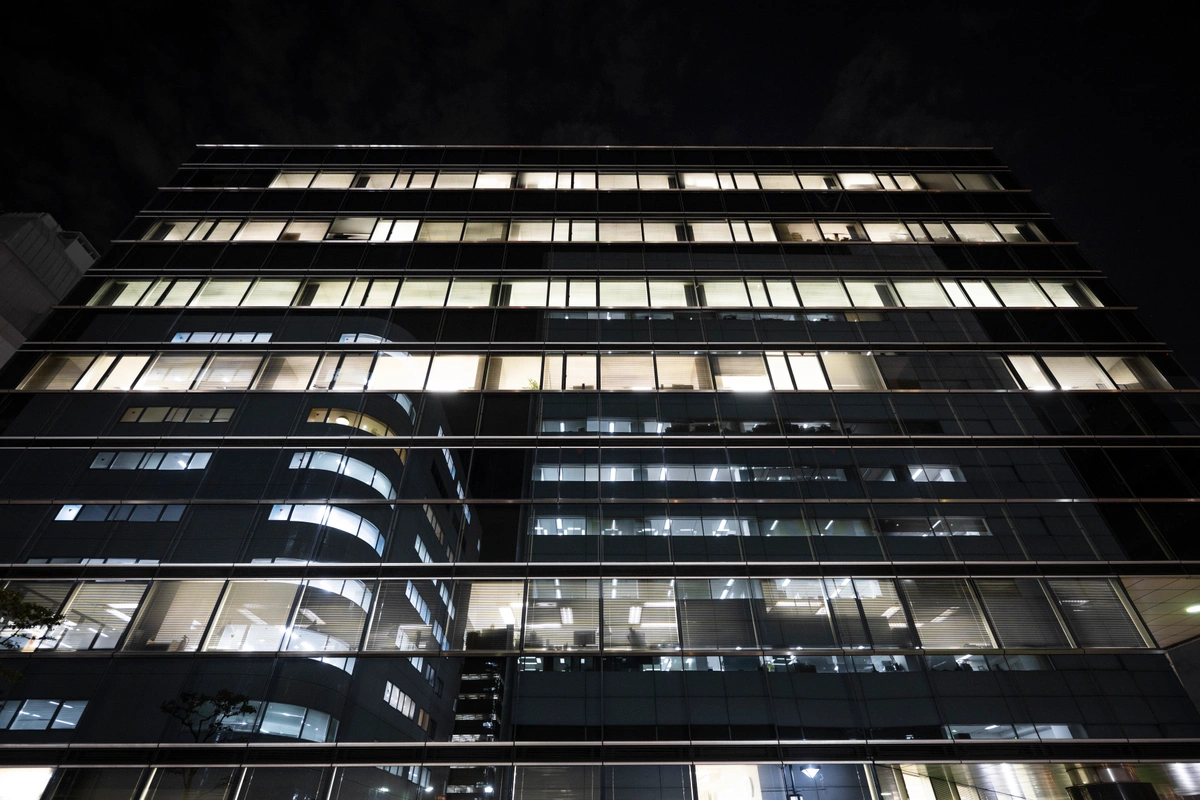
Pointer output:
x,y
1039,781
1163,603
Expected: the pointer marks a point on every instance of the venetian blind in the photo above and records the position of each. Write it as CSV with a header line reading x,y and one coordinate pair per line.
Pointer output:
x,y
1021,613
1095,614
946,614
715,614
173,616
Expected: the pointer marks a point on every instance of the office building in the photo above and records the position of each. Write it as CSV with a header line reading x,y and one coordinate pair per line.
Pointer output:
x,y
533,473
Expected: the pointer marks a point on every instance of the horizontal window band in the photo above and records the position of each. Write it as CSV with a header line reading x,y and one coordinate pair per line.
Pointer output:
x,y
601,230
607,180
602,570
481,754
747,372
780,294
583,616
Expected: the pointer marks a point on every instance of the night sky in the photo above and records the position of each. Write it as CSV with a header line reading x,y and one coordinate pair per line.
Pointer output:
x,y
1093,110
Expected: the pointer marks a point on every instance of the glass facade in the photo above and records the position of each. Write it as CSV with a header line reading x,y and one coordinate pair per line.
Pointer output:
x,y
533,473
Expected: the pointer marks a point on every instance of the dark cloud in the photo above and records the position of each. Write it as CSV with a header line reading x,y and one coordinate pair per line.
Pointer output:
x,y
1092,108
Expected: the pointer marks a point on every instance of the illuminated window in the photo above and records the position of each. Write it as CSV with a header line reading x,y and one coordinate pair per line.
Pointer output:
x,y
37,715
260,231
292,180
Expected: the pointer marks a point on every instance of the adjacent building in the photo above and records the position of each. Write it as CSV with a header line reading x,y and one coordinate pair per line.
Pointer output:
x,y
535,473
39,264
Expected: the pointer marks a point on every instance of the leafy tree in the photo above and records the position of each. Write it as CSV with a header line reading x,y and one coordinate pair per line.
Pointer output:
x,y
20,622
205,716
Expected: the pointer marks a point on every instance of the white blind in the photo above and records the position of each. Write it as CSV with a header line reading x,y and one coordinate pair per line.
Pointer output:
x,y
1057,290
620,231
852,371
514,372
816,294
292,180
871,294
169,373
531,231
269,292
352,375
623,293
228,372
957,295
333,180
975,232
455,180
669,294
403,230
663,231
179,294
710,232
1077,372
783,294
724,293
1020,294
470,293
741,373
626,372
888,232
807,372
684,372
221,292
422,292
781,182
455,373
583,293
526,293
777,366
264,231
399,371
981,295
440,232
552,374
580,373
381,293
324,293
922,293
1030,372
609,181
122,375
